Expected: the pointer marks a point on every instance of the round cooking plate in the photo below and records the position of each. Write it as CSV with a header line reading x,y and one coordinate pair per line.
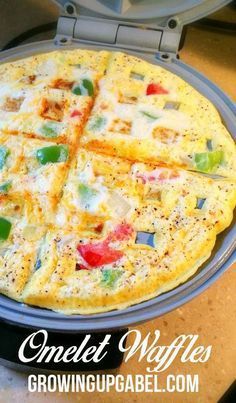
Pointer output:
x,y
223,254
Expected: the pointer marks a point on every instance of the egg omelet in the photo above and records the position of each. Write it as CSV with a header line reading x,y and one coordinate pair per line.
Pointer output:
x,y
116,176
50,98
25,174
144,112
18,247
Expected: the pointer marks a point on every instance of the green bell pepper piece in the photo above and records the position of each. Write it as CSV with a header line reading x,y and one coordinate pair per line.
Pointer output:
x,y
5,187
88,86
57,153
87,195
110,276
97,123
4,153
86,192
84,88
149,115
206,162
77,90
5,228
50,129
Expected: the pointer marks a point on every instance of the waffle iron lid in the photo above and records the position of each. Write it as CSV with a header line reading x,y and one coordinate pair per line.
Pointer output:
x,y
143,10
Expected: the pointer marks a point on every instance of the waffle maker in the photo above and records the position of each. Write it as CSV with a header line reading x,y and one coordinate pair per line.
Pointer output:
x,y
152,30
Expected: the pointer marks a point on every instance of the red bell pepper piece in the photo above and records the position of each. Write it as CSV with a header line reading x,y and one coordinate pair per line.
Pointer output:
x,y
120,233
157,175
156,89
100,253
75,113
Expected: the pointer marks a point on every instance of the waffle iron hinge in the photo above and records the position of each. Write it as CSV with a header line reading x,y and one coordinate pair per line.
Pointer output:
x,y
134,36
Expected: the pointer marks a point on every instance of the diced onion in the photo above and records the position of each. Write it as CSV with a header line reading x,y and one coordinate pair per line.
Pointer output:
x,y
119,205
